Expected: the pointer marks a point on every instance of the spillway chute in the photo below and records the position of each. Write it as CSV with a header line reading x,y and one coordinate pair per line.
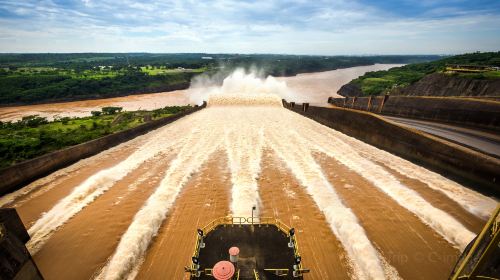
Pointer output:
x,y
244,100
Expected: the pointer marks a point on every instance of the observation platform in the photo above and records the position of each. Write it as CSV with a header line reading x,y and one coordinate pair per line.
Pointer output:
x,y
265,249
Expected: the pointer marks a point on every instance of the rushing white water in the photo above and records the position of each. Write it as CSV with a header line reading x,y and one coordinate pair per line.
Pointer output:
x,y
242,120
45,184
245,85
365,259
244,149
243,130
472,201
442,222
95,186
200,144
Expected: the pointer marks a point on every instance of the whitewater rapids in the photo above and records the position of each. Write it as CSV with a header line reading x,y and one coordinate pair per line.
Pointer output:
x,y
238,131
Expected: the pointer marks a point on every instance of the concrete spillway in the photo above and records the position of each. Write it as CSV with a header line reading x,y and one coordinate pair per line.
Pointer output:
x,y
131,211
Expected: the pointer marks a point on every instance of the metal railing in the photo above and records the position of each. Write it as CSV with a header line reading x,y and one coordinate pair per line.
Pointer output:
x,y
256,275
239,221
278,271
476,260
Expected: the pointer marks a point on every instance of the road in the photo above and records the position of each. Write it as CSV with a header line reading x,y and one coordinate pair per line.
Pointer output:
x,y
478,140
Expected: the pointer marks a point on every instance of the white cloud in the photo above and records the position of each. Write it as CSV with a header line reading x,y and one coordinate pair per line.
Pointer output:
x,y
319,27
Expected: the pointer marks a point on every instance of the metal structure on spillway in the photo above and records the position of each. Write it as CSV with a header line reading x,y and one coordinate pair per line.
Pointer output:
x,y
481,258
246,248
256,247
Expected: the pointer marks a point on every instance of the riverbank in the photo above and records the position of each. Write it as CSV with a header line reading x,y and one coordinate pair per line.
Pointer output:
x,y
164,88
442,77
35,136
314,88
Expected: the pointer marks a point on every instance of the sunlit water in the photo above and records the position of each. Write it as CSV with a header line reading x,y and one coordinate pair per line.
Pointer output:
x,y
313,87
240,124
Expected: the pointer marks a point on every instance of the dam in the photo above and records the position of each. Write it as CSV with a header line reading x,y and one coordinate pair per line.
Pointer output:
x,y
360,212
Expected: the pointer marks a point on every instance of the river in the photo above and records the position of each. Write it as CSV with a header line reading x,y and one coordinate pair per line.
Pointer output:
x,y
312,87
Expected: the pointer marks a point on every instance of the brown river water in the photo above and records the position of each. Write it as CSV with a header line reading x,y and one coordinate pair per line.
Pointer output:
x,y
361,213
316,87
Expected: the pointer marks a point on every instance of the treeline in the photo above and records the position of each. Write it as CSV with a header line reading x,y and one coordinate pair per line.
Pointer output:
x,y
91,60
278,65
35,78
381,82
28,89
275,63
289,65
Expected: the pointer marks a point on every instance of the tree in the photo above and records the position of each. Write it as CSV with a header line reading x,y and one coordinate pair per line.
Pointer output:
x,y
111,110
33,121
65,120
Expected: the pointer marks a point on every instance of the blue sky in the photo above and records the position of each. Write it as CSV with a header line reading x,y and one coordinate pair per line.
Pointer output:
x,y
225,26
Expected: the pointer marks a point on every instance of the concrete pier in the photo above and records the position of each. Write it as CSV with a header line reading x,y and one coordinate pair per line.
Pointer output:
x,y
15,260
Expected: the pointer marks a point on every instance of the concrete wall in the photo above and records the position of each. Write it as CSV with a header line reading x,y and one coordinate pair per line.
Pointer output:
x,y
18,175
461,163
339,102
463,111
361,103
376,104
15,260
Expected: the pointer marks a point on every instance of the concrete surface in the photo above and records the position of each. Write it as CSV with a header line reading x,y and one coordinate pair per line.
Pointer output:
x,y
15,260
478,140
483,114
475,169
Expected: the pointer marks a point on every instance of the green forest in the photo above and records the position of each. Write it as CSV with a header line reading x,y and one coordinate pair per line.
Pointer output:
x,y
34,136
28,85
42,78
381,82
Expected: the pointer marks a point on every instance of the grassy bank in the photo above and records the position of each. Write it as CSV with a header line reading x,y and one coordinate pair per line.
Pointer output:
x,y
34,136
380,82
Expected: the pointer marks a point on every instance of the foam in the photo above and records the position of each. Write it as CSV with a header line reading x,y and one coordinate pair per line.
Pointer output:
x,y
240,89
244,117
443,223
244,100
45,184
244,149
472,201
364,258
96,185
135,241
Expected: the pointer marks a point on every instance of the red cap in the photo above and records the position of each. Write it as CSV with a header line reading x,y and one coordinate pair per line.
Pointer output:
x,y
223,270
234,251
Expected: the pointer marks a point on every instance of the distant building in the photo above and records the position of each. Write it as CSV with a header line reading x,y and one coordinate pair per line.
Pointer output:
x,y
207,57
453,68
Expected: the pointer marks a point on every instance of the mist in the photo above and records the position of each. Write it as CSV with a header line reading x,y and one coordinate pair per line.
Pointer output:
x,y
240,82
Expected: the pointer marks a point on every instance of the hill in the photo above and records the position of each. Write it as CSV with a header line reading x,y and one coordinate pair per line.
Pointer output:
x,y
431,78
